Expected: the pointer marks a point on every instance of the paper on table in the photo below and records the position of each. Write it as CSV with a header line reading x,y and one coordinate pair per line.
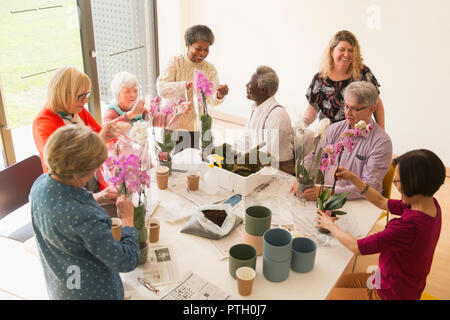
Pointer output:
x,y
199,197
160,268
223,245
195,288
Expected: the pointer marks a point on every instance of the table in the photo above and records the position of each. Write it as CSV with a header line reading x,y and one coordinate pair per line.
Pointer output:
x,y
196,254
21,271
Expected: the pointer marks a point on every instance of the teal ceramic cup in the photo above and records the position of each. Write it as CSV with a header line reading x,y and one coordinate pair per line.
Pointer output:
x,y
241,255
303,254
257,220
276,271
277,245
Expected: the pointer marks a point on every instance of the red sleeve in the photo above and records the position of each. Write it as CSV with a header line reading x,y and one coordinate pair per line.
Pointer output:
x,y
44,125
396,207
398,235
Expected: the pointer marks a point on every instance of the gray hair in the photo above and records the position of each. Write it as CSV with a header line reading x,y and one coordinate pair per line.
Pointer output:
x,y
198,33
267,78
364,92
122,79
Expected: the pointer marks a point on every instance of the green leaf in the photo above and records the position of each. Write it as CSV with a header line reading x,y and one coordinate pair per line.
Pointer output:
x,y
338,212
336,201
324,195
320,203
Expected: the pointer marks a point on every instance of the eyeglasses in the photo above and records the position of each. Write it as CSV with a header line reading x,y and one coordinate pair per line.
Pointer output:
x,y
347,108
395,180
148,285
83,96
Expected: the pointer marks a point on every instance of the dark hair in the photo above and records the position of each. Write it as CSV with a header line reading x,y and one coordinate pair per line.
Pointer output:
x,y
421,172
198,33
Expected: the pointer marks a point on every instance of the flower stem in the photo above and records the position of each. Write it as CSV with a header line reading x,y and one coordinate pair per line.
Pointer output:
x,y
335,177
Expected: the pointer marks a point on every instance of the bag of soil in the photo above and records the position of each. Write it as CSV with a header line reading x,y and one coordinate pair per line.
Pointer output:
x,y
212,221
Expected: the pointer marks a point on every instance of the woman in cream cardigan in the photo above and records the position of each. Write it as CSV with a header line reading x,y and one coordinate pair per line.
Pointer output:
x,y
176,80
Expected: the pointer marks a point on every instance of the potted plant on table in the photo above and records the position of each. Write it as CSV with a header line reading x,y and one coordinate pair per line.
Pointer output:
x,y
305,142
126,169
203,89
328,201
164,117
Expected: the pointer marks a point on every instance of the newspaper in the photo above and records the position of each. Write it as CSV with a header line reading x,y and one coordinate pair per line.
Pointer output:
x,y
195,288
223,245
199,197
160,269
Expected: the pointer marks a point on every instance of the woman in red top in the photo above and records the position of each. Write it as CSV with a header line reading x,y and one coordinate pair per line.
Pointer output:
x,y
407,244
68,92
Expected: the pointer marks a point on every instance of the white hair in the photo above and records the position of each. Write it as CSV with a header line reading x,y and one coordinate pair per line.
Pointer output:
x,y
267,78
364,92
120,80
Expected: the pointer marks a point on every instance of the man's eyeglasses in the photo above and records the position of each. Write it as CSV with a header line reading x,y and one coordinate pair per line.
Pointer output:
x,y
83,96
347,108
395,180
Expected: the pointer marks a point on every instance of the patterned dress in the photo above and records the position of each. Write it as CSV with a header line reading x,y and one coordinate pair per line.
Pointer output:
x,y
80,257
326,95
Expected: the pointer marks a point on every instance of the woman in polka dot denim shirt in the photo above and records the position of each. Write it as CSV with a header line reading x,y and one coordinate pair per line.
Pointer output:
x,y
80,257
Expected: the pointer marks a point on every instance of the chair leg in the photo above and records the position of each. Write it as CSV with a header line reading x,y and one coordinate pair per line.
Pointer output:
x,y
354,264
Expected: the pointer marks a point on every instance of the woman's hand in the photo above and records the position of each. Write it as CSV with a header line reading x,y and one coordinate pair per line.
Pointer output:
x,y
125,211
294,189
106,196
138,108
325,220
343,174
311,194
222,91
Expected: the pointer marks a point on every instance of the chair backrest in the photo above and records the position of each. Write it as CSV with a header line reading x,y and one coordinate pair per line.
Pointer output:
x,y
387,182
16,182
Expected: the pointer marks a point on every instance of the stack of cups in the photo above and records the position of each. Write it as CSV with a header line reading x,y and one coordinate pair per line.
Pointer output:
x,y
277,254
162,177
257,221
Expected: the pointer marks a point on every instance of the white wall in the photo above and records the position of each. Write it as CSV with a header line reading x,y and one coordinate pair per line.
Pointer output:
x,y
405,43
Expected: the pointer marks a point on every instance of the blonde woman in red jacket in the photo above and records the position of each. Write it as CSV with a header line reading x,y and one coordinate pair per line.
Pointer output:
x,y
68,92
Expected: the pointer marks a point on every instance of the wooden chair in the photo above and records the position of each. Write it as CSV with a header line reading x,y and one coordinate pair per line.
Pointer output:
x,y
15,186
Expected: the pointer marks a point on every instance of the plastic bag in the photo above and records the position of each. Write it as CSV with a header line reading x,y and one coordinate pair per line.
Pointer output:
x,y
201,226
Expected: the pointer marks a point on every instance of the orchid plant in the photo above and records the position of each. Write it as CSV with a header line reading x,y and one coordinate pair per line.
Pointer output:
x,y
166,114
203,89
328,201
307,141
128,173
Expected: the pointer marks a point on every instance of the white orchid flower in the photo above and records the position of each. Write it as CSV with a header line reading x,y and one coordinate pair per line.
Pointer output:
x,y
361,125
322,127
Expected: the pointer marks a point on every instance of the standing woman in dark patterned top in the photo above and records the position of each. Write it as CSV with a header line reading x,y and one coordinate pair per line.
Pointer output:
x,y
342,64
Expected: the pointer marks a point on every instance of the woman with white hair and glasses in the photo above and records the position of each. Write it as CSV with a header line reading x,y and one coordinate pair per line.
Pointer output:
x,y
269,122
126,107
177,77
341,64
80,257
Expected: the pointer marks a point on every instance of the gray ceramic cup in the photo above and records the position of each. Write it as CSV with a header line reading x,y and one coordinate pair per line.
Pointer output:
x,y
241,255
303,254
257,220
276,271
277,245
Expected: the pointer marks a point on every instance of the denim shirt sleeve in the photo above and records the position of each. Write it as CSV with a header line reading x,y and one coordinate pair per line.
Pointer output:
x,y
95,232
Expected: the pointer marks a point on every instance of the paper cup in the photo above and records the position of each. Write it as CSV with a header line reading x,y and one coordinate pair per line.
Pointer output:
x,y
153,230
245,277
162,177
193,179
116,228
